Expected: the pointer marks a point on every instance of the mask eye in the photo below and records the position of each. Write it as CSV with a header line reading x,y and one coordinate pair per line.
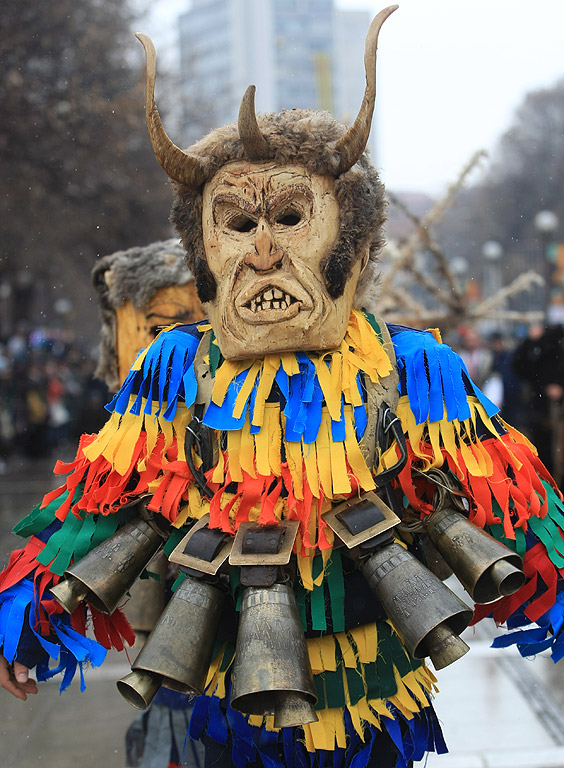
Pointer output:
x,y
289,218
242,224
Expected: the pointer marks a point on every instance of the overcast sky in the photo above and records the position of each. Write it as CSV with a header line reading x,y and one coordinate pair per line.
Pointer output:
x,y
451,74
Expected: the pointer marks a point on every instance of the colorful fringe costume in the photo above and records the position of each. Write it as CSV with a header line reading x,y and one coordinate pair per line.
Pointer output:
x,y
289,430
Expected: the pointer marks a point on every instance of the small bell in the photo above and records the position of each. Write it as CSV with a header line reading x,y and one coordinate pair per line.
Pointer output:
x,y
416,602
109,570
178,652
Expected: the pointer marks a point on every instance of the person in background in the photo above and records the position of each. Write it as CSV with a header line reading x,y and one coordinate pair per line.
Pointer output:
x,y
140,291
477,357
539,362
503,386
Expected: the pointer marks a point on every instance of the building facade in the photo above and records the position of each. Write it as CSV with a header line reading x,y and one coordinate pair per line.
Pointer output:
x,y
299,53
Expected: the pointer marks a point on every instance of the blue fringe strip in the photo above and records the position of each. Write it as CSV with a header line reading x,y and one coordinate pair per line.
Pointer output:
x,y
303,403
434,377
546,635
412,739
166,375
18,613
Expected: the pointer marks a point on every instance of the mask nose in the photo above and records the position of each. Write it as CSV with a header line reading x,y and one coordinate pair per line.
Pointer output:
x,y
267,256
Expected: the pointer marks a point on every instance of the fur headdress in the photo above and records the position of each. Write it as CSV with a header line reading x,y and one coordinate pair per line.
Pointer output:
x,y
312,139
134,275
302,137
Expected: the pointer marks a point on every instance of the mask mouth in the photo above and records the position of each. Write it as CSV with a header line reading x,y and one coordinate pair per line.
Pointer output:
x,y
273,301
270,298
271,305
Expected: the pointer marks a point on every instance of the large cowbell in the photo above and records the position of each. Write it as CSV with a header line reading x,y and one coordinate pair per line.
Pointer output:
x,y
486,568
425,613
272,674
178,652
105,574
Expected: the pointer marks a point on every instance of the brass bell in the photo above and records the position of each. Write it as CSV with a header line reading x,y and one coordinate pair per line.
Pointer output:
x,y
434,561
486,568
418,604
444,647
105,574
271,672
139,688
69,593
178,652
147,598
292,708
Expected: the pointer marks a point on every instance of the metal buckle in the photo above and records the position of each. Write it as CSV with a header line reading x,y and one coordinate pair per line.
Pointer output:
x,y
198,564
282,557
385,519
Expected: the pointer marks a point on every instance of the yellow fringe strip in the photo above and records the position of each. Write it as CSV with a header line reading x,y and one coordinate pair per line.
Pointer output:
x,y
328,466
325,461
117,440
413,689
361,350
458,438
328,732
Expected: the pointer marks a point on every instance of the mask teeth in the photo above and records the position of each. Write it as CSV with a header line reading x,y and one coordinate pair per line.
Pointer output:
x,y
271,298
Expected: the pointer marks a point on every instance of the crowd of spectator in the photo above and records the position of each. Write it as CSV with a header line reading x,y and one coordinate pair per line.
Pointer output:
x,y
48,394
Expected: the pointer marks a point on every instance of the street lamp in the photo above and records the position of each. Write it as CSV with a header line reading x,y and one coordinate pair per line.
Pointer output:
x,y
492,253
546,223
459,267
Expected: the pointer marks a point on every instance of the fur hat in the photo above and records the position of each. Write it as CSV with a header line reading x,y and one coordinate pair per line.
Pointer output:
x,y
302,137
135,275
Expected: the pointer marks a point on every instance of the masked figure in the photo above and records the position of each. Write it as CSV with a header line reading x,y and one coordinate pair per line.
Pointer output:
x,y
312,471
140,291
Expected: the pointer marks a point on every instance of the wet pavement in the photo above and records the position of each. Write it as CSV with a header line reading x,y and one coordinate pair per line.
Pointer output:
x,y
497,709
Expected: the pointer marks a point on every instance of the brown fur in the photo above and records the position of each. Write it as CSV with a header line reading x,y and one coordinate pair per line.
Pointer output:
x,y
302,137
137,274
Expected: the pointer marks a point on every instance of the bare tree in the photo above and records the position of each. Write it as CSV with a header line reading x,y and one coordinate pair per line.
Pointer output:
x,y
525,177
78,174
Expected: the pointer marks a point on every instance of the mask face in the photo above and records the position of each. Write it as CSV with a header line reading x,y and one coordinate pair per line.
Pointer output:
x,y
137,327
268,230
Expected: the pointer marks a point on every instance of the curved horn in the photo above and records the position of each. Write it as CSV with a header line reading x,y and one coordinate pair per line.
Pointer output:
x,y
254,142
353,143
177,164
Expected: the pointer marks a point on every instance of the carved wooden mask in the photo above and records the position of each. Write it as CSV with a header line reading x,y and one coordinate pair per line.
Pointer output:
x,y
136,327
268,230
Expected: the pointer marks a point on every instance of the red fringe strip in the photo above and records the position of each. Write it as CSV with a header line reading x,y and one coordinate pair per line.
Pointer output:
x,y
105,490
536,563
110,631
515,484
22,562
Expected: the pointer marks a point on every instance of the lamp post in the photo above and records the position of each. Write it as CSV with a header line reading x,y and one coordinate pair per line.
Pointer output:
x,y
459,267
492,281
546,223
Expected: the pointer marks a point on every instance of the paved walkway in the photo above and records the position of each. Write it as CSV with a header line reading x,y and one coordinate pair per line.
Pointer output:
x,y
500,711
497,710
